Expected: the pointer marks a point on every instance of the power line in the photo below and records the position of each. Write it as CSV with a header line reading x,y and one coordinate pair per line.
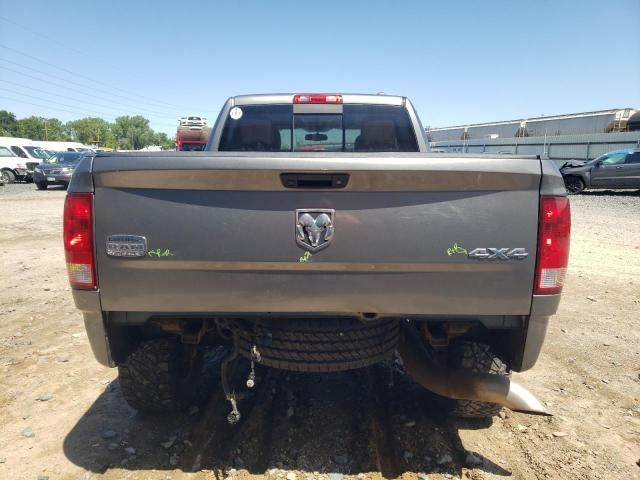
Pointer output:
x,y
92,87
43,99
67,97
93,112
46,37
41,106
94,80
48,107
73,83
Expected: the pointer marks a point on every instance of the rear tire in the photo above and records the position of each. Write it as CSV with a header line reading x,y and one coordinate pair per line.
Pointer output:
x,y
573,184
476,357
8,176
41,185
161,375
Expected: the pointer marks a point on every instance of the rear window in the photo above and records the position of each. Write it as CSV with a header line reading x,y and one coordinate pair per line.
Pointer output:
x,y
65,157
192,147
38,152
359,128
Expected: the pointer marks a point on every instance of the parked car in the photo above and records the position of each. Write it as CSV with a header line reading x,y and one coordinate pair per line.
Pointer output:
x,y
358,244
615,169
57,169
12,167
193,121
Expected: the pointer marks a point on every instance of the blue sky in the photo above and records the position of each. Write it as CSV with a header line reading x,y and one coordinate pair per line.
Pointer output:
x,y
460,62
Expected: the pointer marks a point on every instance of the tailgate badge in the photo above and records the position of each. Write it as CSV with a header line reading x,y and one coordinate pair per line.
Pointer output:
x,y
314,228
128,246
494,253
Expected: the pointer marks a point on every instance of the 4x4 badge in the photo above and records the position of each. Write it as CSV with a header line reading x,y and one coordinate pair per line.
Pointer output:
x,y
314,228
498,253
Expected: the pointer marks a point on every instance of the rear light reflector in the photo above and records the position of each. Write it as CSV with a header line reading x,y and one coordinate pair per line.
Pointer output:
x,y
554,231
317,98
78,240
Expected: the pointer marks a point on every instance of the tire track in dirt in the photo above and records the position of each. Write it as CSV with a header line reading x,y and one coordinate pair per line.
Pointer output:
x,y
381,425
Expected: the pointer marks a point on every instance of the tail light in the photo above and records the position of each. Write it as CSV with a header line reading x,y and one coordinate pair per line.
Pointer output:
x,y
78,240
317,98
553,245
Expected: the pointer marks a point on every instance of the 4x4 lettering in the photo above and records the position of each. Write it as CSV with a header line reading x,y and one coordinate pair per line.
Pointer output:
x,y
498,253
479,253
494,253
518,253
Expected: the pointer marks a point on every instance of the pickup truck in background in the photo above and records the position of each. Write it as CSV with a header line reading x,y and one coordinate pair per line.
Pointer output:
x,y
316,233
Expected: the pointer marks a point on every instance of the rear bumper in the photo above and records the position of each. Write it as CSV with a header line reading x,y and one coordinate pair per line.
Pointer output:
x,y
542,307
526,356
58,178
89,303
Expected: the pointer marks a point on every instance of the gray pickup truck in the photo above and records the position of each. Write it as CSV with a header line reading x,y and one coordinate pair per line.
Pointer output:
x,y
316,233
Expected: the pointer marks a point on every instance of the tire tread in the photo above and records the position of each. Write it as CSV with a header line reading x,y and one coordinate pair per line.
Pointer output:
x,y
479,358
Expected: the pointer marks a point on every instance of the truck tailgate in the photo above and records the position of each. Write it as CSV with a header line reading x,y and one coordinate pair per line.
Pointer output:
x,y
221,229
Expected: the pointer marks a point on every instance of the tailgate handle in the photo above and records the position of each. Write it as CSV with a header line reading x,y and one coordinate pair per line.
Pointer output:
x,y
314,180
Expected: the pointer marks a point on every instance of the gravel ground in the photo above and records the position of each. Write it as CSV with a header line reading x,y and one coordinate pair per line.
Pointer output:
x,y
62,415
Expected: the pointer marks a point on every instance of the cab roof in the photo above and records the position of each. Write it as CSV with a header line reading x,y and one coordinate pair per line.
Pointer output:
x,y
285,98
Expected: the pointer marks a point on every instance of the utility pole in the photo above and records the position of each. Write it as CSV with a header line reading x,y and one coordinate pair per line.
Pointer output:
x,y
46,135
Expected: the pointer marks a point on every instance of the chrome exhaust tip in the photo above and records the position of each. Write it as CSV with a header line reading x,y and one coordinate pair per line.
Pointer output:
x,y
463,384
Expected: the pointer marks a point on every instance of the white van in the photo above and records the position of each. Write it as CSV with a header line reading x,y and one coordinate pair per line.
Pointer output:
x,y
25,148
12,167
26,156
63,146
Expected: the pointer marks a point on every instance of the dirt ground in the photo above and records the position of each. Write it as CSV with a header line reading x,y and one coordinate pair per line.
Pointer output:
x,y
62,415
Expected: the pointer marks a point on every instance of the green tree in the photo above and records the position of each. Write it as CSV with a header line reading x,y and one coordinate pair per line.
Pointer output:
x,y
90,131
126,132
39,128
165,142
8,124
132,133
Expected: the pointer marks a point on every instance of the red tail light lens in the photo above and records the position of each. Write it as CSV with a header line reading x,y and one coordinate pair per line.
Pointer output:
x,y
553,245
78,240
317,98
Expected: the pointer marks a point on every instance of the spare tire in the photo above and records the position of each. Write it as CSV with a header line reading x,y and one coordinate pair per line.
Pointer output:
x,y
320,345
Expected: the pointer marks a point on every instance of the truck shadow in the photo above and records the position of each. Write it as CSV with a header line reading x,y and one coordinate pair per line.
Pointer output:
x,y
343,423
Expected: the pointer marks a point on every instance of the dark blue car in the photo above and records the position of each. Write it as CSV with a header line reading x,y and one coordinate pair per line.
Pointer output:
x,y
57,169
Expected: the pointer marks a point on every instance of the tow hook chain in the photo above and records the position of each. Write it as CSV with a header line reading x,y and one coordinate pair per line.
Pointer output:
x,y
255,357
234,414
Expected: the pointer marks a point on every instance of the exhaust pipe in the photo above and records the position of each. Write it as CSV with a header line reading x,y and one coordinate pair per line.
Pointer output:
x,y
463,384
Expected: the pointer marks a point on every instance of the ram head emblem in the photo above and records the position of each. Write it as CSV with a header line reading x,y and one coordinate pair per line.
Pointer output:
x,y
314,228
